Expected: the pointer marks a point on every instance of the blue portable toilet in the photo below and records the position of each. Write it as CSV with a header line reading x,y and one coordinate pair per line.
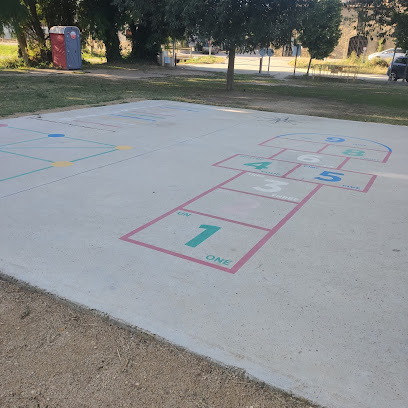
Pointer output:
x,y
66,47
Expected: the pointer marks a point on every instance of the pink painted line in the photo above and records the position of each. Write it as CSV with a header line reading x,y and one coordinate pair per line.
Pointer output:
x,y
386,157
290,171
225,219
275,229
228,158
125,237
370,183
277,154
186,257
96,123
334,155
331,144
287,161
343,163
266,141
249,171
259,195
322,148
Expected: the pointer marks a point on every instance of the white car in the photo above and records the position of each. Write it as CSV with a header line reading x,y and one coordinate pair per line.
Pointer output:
x,y
387,54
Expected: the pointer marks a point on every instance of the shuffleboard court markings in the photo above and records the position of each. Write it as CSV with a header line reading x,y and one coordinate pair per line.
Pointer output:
x,y
57,149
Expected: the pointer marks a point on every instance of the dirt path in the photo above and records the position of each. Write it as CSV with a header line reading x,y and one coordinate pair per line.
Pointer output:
x,y
53,355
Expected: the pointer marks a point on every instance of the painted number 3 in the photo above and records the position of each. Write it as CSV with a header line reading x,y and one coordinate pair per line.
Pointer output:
x,y
273,186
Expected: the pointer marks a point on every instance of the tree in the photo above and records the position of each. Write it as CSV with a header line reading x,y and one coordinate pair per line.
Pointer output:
x,y
148,26
238,25
320,28
15,16
102,19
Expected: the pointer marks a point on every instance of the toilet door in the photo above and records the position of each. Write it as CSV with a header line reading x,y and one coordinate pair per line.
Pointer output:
x,y
73,48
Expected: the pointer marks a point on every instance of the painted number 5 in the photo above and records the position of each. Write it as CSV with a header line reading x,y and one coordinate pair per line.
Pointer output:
x,y
330,176
273,186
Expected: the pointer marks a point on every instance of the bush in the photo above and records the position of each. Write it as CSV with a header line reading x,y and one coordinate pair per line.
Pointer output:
x,y
11,63
379,62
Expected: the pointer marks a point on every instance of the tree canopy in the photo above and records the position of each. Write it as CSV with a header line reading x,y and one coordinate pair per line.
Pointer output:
x,y
320,28
239,25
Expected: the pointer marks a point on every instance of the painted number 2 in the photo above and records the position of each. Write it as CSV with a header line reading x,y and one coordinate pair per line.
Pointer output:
x,y
209,230
273,186
330,176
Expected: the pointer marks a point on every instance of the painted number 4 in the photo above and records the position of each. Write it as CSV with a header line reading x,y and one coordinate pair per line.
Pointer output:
x,y
209,230
259,165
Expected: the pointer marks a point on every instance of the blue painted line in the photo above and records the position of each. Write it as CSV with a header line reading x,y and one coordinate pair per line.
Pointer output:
x,y
134,117
153,116
23,155
94,155
25,141
27,130
24,174
179,109
89,141
342,136
56,135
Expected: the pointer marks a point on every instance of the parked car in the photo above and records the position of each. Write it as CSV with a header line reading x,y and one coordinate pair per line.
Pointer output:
x,y
397,69
214,49
387,54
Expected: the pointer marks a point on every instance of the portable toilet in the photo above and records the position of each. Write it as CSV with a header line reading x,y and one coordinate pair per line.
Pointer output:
x,y
66,47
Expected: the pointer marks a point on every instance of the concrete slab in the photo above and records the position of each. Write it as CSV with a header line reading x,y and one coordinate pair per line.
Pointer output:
x,y
271,242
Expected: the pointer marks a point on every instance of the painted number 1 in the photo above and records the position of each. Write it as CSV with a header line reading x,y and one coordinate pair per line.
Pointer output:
x,y
209,230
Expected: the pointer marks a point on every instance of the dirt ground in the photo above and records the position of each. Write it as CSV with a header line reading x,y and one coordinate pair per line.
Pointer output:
x,y
53,354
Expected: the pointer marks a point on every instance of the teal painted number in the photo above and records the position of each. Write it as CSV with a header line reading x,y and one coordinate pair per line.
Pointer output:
x,y
259,166
354,152
209,230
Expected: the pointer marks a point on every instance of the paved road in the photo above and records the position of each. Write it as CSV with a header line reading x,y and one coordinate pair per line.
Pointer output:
x,y
279,68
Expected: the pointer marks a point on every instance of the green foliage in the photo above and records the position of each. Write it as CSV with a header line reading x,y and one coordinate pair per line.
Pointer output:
x,y
236,24
320,28
102,20
148,26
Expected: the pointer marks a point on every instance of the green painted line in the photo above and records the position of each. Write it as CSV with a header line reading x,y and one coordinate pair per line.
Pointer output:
x,y
89,141
25,141
24,155
94,155
24,174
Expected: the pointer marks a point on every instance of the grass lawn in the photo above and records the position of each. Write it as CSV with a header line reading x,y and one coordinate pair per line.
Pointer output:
x,y
384,102
8,51
368,67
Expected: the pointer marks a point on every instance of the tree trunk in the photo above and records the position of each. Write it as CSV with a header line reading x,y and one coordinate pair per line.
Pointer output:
x,y
36,24
308,68
22,46
230,72
112,46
